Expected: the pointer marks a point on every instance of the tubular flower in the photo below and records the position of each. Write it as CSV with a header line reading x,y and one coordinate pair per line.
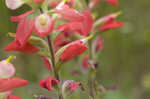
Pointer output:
x,y
43,24
38,1
24,30
113,2
20,17
111,24
13,97
80,23
27,48
7,69
74,49
10,84
73,86
46,62
48,83
85,62
93,3
68,13
14,4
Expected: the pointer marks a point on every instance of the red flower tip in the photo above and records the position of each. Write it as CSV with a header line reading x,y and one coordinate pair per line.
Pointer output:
x,y
111,24
85,62
38,1
43,25
20,17
48,83
113,2
13,97
10,84
73,86
74,49
46,62
27,48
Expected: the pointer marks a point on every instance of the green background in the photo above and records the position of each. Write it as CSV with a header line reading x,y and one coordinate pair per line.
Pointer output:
x,y
124,61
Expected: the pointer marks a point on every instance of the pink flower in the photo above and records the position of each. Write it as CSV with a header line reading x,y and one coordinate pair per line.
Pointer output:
x,y
43,25
73,86
7,70
48,83
113,2
13,97
26,48
46,62
14,4
111,24
10,84
38,1
75,48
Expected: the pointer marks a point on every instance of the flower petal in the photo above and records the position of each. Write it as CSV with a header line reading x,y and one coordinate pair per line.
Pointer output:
x,y
10,84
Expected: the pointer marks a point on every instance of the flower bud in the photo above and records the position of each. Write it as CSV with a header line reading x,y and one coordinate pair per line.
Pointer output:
x,y
43,24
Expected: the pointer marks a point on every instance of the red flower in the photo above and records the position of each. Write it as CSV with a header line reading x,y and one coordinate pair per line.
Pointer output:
x,y
111,24
27,48
79,22
38,1
13,97
74,49
68,13
24,30
10,84
85,62
73,86
113,2
43,25
48,83
46,62
20,17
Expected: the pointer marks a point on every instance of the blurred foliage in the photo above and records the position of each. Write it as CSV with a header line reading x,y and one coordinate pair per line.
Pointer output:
x,y
124,61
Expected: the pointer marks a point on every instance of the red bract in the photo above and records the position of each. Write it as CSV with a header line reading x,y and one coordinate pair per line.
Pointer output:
x,y
27,48
113,2
68,13
20,17
111,24
93,3
24,30
13,97
73,86
43,24
46,62
38,1
85,62
83,27
74,49
48,83
10,84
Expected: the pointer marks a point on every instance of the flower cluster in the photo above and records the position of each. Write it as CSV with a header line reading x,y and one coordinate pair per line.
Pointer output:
x,y
57,32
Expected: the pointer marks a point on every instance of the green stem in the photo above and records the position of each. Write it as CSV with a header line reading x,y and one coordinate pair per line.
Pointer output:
x,y
53,64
